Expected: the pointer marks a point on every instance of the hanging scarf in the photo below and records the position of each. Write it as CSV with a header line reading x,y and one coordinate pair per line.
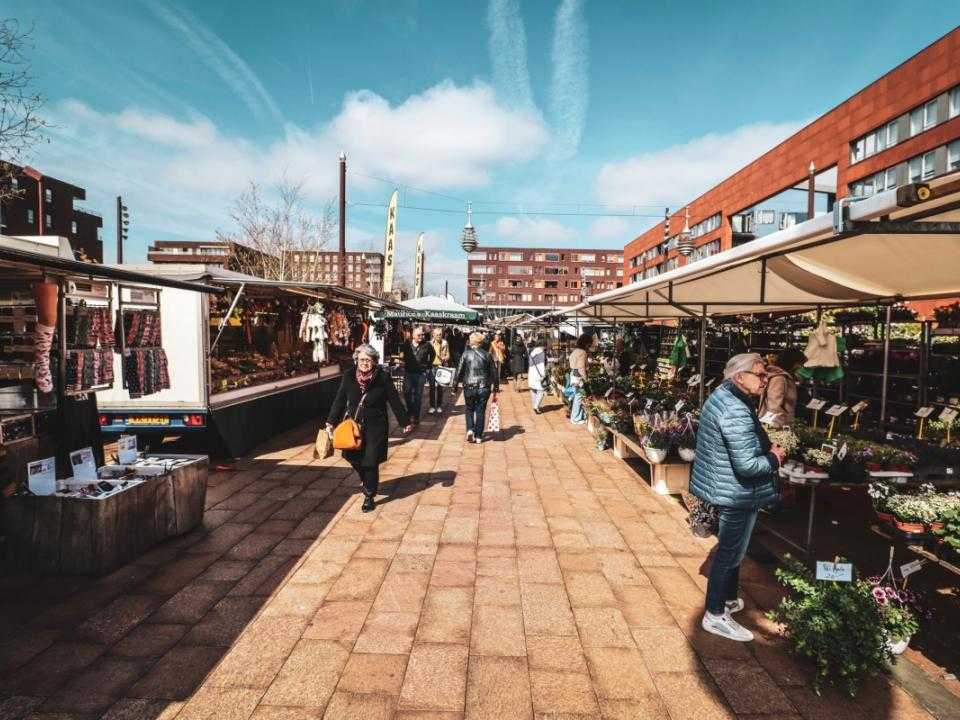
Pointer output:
x,y
364,378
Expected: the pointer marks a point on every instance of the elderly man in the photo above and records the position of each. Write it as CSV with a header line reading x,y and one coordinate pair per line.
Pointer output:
x,y
735,471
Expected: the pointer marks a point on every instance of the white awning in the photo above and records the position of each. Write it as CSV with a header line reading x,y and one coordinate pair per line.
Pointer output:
x,y
912,253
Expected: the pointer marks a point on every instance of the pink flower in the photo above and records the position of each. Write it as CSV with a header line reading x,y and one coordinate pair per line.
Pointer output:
x,y
879,595
891,593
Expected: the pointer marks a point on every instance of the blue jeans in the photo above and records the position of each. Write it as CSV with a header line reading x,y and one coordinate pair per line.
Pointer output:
x,y
436,391
413,393
736,526
577,413
475,399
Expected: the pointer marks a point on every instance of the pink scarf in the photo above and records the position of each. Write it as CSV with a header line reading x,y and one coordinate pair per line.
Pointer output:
x,y
364,378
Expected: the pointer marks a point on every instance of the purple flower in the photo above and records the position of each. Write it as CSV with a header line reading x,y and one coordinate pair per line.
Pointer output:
x,y
891,593
879,595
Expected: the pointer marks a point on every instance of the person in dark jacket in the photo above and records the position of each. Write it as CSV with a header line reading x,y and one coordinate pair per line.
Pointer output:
x,y
478,374
418,356
735,471
518,360
365,392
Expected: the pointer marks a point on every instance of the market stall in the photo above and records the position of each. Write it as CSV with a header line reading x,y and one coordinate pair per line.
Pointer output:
x,y
62,340
258,359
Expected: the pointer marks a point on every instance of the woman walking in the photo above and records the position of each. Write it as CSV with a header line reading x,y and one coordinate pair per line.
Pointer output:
x,y
518,360
498,350
364,393
578,375
734,470
537,372
441,357
478,374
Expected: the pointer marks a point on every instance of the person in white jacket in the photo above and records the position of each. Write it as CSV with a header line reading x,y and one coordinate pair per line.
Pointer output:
x,y
537,372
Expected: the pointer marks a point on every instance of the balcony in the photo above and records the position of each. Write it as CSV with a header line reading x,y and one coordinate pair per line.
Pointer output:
x,y
80,208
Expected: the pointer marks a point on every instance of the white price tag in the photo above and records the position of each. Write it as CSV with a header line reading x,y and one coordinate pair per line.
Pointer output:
x,y
948,415
837,410
607,393
924,412
816,404
769,417
910,568
84,465
859,407
42,476
127,449
649,403
695,380
842,452
837,572
630,395
679,405
710,382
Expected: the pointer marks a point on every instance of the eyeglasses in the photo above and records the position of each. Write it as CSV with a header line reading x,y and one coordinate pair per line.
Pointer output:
x,y
760,376
364,360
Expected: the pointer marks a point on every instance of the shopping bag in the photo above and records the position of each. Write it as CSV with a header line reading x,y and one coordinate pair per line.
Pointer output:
x,y
323,447
493,422
444,376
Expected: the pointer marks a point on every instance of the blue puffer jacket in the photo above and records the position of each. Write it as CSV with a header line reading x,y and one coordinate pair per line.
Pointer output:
x,y
734,466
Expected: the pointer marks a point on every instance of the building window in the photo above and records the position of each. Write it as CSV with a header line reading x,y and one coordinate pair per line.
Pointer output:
x,y
485,270
953,155
928,165
29,216
618,259
511,256
519,270
916,121
953,102
48,194
789,219
48,219
914,169
477,256
73,227
705,226
585,258
892,133
930,114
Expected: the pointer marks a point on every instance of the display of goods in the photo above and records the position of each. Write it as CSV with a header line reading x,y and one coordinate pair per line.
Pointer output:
x,y
948,316
785,438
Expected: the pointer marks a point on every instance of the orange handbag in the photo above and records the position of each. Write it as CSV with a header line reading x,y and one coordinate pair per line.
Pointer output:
x,y
348,434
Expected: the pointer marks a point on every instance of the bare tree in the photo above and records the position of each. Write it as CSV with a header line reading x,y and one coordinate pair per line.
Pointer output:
x,y
278,239
21,126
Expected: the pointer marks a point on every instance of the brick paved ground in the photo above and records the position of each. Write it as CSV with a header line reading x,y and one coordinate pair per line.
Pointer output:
x,y
530,577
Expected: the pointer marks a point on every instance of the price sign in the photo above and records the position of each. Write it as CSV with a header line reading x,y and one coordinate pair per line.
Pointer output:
x,y
834,571
924,412
816,404
837,410
42,476
649,403
842,452
769,417
693,381
679,405
608,392
859,407
910,568
127,449
948,415
84,465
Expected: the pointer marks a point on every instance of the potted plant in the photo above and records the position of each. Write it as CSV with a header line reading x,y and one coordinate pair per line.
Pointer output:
x,y
899,610
656,445
819,460
880,493
602,437
911,513
949,534
687,447
785,438
641,426
837,625
943,505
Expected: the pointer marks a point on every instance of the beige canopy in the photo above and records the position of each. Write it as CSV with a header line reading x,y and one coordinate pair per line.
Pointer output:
x,y
913,252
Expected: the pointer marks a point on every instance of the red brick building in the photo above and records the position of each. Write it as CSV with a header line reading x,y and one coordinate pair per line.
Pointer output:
x,y
36,204
902,128
504,281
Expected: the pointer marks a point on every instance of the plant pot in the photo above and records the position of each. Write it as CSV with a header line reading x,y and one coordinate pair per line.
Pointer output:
x,y
687,454
873,467
655,455
898,646
910,528
900,468
884,517
936,525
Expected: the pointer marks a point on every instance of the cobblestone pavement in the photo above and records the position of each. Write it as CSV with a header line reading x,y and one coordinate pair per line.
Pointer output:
x,y
528,577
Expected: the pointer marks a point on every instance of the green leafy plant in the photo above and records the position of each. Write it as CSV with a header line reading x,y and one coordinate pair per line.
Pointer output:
x,y
657,439
819,458
950,532
785,438
912,508
836,625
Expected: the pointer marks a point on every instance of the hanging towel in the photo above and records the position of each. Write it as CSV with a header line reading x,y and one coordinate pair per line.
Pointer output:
x,y
679,353
826,375
822,348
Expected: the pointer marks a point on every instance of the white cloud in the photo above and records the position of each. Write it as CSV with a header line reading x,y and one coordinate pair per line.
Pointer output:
x,y
569,91
679,173
534,230
610,227
508,53
223,61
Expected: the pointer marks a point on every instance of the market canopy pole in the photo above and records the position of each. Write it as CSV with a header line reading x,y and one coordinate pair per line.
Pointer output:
x,y
343,219
703,352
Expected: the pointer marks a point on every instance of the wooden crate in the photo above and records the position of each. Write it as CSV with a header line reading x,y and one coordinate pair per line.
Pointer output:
x,y
666,478
53,535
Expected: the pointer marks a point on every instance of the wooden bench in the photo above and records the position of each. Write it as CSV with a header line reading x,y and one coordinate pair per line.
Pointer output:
x,y
666,478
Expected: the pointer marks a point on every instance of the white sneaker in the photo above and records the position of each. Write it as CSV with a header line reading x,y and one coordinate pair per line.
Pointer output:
x,y
469,435
726,627
734,606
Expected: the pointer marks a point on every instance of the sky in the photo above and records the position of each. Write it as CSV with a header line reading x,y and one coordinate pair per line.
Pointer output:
x,y
567,123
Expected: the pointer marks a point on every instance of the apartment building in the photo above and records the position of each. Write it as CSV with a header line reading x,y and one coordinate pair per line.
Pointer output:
x,y
36,204
503,281
902,128
364,269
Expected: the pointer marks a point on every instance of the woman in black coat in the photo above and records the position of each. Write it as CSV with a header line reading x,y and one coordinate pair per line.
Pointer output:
x,y
518,360
366,381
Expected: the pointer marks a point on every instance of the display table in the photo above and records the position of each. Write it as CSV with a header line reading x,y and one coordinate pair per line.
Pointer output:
x,y
666,478
65,535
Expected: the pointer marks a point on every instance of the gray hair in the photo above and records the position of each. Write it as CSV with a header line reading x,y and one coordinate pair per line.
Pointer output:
x,y
743,362
369,351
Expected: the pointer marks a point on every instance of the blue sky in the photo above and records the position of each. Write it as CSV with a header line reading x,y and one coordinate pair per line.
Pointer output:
x,y
614,107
